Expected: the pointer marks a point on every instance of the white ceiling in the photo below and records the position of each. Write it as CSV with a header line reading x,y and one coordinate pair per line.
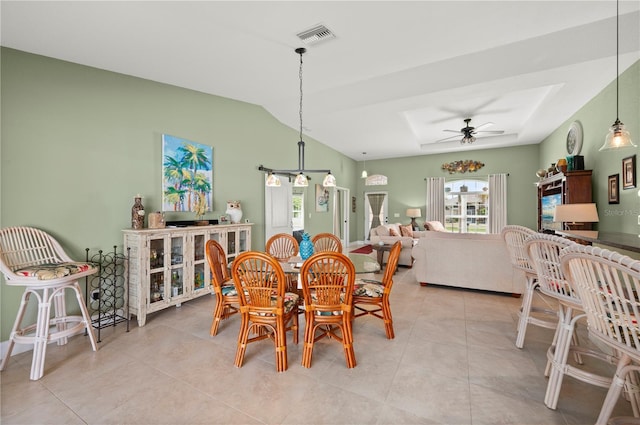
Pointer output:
x,y
396,75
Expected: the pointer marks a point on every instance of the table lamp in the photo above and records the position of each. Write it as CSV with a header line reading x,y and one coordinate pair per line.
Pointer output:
x,y
575,215
413,213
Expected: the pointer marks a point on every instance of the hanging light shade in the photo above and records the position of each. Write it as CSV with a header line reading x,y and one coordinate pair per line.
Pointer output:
x,y
618,137
329,180
273,180
364,166
301,180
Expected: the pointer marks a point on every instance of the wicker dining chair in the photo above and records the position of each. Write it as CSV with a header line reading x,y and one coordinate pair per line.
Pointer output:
x,y
283,246
32,258
375,293
323,242
265,307
608,284
227,301
327,285
514,237
544,252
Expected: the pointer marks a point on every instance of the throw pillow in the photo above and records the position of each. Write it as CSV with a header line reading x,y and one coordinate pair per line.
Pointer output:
x,y
392,232
435,226
382,231
407,230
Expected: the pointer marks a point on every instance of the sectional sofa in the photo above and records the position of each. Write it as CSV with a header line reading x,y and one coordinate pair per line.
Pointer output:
x,y
466,260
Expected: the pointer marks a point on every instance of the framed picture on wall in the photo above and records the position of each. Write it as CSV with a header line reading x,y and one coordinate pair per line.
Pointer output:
x,y
322,198
187,175
614,189
629,172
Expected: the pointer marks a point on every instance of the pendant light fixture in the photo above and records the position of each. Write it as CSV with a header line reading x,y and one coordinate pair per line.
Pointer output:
x,y
300,180
618,136
364,166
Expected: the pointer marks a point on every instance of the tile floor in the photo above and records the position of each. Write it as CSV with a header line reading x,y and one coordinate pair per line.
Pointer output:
x,y
453,361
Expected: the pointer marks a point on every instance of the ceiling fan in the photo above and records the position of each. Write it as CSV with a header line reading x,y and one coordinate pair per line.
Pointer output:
x,y
468,133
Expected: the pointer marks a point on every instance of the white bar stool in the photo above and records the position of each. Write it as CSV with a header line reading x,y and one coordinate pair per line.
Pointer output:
x,y
31,258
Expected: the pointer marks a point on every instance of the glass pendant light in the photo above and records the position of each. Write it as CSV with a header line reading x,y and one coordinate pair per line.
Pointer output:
x,y
618,136
364,166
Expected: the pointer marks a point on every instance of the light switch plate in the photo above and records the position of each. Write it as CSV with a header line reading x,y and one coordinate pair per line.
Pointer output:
x,y
396,215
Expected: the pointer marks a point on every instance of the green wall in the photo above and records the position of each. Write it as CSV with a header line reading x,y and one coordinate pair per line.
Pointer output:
x,y
407,187
78,143
596,118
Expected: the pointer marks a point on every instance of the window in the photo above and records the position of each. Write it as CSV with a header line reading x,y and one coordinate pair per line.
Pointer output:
x,y
466,206
298,211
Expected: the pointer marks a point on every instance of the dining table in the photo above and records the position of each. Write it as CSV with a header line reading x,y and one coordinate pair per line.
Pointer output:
x,y
361,262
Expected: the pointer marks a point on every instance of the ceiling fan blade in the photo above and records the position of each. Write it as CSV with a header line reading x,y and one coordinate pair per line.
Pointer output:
x,y
447,139
453,131
490,132
485,125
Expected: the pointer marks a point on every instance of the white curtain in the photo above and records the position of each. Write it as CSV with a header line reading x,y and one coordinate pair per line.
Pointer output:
x,y
435,199
497,202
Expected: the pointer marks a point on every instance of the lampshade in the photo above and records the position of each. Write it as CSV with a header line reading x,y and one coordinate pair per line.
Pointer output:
x,y
301,181
273,180
413,212
618,137
329,180
576,213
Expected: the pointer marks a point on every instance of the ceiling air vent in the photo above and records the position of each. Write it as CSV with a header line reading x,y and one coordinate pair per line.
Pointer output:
x,y
316,34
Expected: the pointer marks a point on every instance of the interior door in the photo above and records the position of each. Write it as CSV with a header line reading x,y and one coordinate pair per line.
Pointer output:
x,y
375,211
278,209
341,214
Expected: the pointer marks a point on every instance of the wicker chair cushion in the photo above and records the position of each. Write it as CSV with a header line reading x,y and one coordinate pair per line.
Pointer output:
x,y
229,290
290,301
368,288
50,271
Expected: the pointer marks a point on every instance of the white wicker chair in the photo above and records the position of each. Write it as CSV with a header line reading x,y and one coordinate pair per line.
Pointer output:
x,y
609,285
544,252
31,258
514,237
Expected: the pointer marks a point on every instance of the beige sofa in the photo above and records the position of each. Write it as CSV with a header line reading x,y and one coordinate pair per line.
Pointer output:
x,y
382,234
466,260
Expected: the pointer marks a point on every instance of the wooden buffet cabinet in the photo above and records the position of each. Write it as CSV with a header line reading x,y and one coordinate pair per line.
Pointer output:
x,y
572,187
168,266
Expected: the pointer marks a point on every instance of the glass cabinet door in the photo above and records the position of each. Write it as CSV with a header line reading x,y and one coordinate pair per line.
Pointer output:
x,y
177,266
156,271
200,278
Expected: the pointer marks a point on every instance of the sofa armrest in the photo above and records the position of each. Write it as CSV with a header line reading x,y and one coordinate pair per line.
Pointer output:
x,y
417,234
407,242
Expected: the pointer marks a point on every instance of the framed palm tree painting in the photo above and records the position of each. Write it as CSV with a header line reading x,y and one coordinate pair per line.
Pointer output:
x,y
187,175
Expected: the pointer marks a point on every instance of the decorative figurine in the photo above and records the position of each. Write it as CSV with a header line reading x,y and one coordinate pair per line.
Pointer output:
x,y
234,209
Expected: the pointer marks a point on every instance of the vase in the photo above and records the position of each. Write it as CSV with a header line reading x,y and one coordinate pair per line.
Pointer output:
x,y
306,247
137,213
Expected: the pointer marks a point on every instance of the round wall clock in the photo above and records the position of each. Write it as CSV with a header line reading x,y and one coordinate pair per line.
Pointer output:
x,y
574,138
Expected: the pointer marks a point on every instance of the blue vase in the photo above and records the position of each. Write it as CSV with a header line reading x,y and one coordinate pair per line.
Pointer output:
x,y
306,247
